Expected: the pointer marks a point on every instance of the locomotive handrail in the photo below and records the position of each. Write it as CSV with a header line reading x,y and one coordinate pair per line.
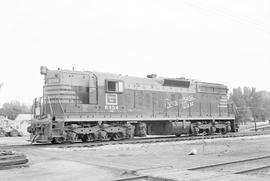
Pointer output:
x,y
60,105
96,87
34,107
37,104
50,105
196,113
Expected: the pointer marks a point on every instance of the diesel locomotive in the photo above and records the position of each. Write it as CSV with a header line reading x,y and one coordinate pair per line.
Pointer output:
x,y
90,106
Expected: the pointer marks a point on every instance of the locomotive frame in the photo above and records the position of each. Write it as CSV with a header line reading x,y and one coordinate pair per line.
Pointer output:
x,y
90,106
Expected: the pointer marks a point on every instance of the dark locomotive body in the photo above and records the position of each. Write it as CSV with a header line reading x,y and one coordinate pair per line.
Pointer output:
x,y
89,106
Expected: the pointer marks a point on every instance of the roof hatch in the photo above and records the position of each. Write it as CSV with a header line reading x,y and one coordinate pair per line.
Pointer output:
x,y
176,83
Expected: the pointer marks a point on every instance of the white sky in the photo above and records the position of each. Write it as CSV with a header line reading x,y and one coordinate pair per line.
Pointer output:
x,y
222,41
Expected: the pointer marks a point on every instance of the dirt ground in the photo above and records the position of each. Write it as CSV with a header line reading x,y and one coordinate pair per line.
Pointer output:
x,y
115,161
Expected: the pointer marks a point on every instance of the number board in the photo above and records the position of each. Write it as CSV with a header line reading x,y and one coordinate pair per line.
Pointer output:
x,y
111,99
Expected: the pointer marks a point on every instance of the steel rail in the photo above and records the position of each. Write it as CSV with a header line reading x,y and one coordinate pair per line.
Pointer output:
x,y
253,169
134,178
137,140
229,163
158,140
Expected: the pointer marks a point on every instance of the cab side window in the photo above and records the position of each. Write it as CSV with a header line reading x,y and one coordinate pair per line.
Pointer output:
x,y
114,86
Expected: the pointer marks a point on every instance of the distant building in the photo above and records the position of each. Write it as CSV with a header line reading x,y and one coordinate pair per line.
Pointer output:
x,y
5,122
21,123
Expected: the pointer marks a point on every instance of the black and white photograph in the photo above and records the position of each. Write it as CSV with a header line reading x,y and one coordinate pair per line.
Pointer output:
x,y
134,90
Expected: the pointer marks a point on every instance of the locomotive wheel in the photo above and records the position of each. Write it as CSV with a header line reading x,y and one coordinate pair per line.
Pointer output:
x,y
223,131
209,131
84,138
57,140
90,137
103,136
212,130
228,128
75,137
53,141
72,137
117,136
195,131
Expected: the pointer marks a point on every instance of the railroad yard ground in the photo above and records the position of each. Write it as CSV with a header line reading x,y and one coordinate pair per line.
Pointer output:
x,y
111,162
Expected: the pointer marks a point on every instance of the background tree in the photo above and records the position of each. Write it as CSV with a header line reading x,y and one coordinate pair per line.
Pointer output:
x,y
250,104
13,108
265,105
243,112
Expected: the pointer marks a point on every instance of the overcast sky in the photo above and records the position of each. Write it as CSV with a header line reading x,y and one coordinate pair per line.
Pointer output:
x,y
222,41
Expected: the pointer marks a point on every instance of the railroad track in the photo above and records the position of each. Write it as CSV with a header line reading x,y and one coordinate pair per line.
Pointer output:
x,y
136,178
160,139
259,166
137,141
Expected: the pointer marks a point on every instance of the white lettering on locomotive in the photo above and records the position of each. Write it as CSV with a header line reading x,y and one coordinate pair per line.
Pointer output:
x,y
111,107
111,99
185,102
111,102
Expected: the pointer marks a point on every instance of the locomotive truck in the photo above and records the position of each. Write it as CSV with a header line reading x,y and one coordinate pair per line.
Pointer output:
x,y
90,106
